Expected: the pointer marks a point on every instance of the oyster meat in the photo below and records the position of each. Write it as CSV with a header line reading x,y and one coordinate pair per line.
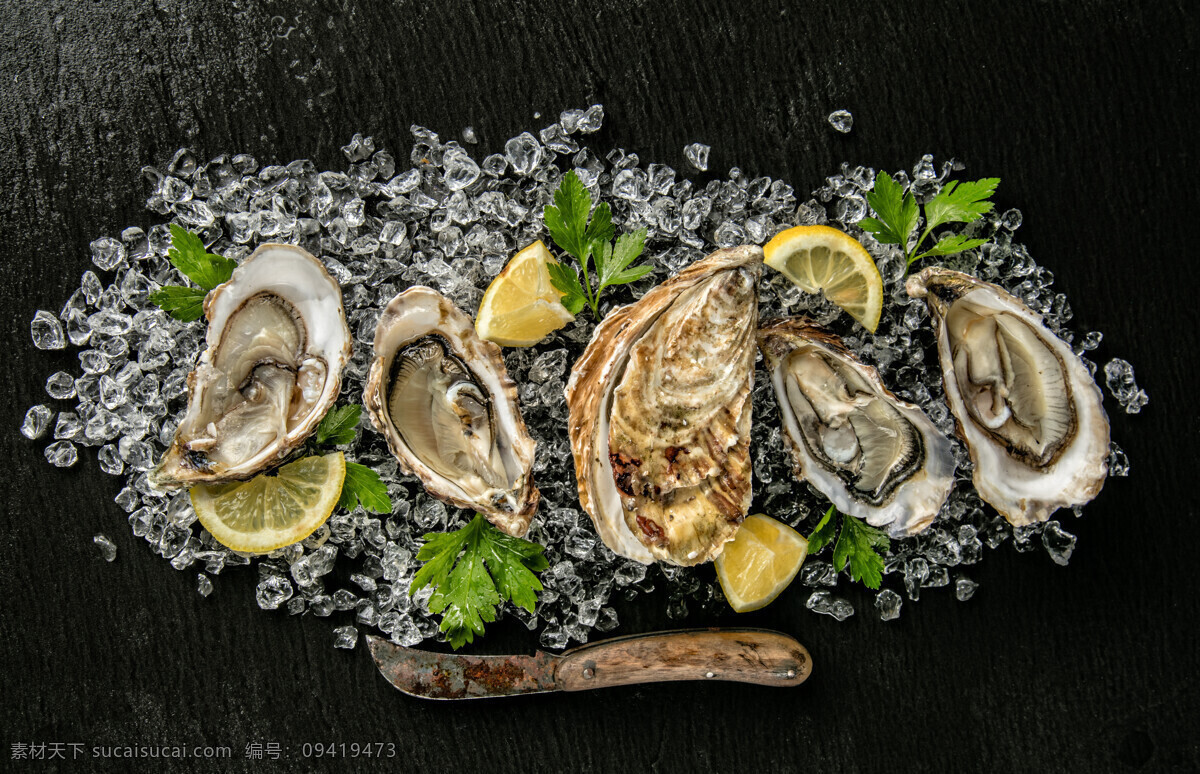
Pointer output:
x,y
1026,406
441,397
277,343
659,413
873,455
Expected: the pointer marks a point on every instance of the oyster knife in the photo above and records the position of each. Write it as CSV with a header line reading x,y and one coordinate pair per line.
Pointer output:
x,y
737,654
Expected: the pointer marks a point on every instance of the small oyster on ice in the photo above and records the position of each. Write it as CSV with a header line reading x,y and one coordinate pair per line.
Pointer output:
x,y
441,397
1026,406
873,455
277,344
660,408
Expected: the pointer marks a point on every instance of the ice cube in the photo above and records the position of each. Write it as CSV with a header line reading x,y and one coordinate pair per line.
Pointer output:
x,y
1059,543
273,591
107,253
47,331
592,119
345,637
524,153
697,155
826,603
62,454
108,549
888,603
842,121
37,419
1118,375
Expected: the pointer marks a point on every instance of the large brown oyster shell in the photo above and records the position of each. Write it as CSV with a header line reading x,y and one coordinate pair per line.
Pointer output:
x,y
659,413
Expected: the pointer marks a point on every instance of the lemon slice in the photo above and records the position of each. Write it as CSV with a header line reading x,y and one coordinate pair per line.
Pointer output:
x,y
272,511
521,307
825,260
760,562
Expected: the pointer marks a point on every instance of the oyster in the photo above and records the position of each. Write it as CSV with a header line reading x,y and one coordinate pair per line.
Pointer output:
x,y
441,397
277,344
1027,408
873,455
659,413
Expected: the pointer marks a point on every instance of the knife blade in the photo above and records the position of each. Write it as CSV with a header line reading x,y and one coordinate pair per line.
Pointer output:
x,y
743,655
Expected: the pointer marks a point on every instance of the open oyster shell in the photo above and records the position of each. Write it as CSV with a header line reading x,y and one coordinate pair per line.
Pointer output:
x,y
659,413
873,455
441,397
277,344
1026,406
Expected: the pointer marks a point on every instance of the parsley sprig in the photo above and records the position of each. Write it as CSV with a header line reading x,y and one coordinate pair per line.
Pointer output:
x,y
857,544
472,570
588,241
899,215
187,254
362,486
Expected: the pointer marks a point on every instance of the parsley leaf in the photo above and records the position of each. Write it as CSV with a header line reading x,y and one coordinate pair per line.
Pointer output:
x,y
601,227
952,244
187,254
825,531
898,215
588,241
960,203
567,220
566,281
338,426
364,486
182,303
897,212
472,570
613,261
857,543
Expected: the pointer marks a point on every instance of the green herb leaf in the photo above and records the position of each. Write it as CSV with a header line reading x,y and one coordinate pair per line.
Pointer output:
x,y
627,249
515,580
857,544
567,220
588,241
825,531
182,303
960,203
188,255
601,227
632,274
951,245
897,212
364,486
471,571
338,426
566,281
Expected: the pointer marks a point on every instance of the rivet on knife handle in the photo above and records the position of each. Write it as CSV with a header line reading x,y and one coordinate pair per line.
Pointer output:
x,y
743,655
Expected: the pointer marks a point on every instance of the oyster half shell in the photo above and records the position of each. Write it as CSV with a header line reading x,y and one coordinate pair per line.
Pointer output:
x,y
277,344
441,397
659,413
873,455
1026,406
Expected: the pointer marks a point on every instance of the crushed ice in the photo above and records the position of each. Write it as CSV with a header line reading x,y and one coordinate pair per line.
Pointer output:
x,y
441,217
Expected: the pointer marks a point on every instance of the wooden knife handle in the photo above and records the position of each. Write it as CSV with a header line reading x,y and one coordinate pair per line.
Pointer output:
x,y
743,655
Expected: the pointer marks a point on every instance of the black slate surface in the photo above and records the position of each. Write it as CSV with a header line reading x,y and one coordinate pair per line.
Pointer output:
x,y
1085,110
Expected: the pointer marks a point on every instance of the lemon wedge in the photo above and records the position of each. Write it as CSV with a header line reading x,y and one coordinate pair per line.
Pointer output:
x,y
521,306
760,562
821,259
272,511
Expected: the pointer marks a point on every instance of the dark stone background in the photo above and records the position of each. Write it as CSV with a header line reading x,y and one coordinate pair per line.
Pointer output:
x,y
1083,108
